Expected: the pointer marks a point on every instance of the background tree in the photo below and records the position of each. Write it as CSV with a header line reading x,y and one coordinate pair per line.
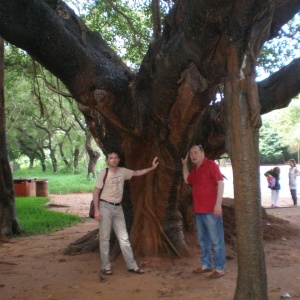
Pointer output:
x,y
271,147
93,155
8,221
37,123
206,48
288,127
284,126
281,50
127,27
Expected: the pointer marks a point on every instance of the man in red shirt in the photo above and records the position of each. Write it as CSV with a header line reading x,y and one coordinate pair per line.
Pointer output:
x,y
207,190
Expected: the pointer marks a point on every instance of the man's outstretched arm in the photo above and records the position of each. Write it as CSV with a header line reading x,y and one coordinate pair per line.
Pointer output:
x,y
145,171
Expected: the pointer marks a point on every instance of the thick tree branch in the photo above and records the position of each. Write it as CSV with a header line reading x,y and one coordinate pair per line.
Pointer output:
x,y
95,75
83,66
156,18
277,90
283,12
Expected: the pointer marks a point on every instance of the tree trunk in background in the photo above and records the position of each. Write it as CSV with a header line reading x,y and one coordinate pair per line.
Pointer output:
x,y
29,152
53,160
42,157
8,222
76,160
242,131
93,155
31,162
242,112
62,154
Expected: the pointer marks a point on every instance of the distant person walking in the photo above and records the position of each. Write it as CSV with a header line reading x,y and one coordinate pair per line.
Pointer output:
x,y
275,172
293,173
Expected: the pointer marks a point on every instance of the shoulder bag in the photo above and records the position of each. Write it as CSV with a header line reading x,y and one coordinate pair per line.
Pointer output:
x,y
92,207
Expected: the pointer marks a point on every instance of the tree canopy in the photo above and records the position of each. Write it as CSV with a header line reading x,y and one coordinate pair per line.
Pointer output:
x,y
35,126
279,134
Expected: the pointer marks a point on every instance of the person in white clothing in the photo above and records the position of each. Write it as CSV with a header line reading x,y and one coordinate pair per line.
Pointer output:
x,y
275,173
293,173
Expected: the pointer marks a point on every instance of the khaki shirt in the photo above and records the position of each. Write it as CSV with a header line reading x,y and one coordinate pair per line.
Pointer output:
x,y
114,184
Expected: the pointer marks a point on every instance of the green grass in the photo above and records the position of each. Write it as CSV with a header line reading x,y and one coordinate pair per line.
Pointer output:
x,y
32,213
35,218
59,183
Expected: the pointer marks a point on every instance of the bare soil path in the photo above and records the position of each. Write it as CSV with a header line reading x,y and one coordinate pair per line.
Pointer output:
x,y
35,268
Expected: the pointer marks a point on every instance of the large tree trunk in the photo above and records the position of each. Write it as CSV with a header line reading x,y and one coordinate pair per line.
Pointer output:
x,y
242,111
243,121
8,222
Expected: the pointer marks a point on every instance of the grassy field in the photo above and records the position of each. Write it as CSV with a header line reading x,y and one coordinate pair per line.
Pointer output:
x,y
59,183
35,218
32,213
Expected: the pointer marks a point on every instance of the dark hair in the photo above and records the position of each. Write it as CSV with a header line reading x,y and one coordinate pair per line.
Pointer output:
x,y
199,146
276,170
293,161
113,151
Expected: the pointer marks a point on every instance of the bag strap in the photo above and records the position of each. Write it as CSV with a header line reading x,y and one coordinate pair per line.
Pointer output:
x,y
106,172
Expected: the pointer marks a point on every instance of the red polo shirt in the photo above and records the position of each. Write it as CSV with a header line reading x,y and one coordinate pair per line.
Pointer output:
x,y
204,182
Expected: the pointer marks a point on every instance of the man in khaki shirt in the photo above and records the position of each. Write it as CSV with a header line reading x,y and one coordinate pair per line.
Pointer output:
x,y
109,212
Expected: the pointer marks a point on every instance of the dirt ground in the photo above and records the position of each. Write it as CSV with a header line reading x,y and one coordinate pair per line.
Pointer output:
x,y
36,268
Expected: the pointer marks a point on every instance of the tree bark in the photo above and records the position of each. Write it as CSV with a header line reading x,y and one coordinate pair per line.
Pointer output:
x,y
156,18
42,157
76,160
243,148
8,222
242,111
93,156
53,159
280,88
62,154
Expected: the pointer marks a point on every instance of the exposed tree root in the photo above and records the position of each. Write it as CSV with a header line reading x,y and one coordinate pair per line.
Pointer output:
x,y
168,242
274,229
87,243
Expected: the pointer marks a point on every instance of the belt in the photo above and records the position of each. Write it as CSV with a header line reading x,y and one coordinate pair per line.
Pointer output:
x,y
114,204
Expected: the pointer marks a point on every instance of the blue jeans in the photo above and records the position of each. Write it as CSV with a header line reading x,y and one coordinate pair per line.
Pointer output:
x,y
294,195
210,234
113,217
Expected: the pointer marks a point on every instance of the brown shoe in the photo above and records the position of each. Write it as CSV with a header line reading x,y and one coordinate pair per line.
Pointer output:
x,y
217,274
201,270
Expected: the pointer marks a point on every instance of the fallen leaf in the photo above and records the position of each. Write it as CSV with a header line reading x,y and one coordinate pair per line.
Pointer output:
x,y
75,286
